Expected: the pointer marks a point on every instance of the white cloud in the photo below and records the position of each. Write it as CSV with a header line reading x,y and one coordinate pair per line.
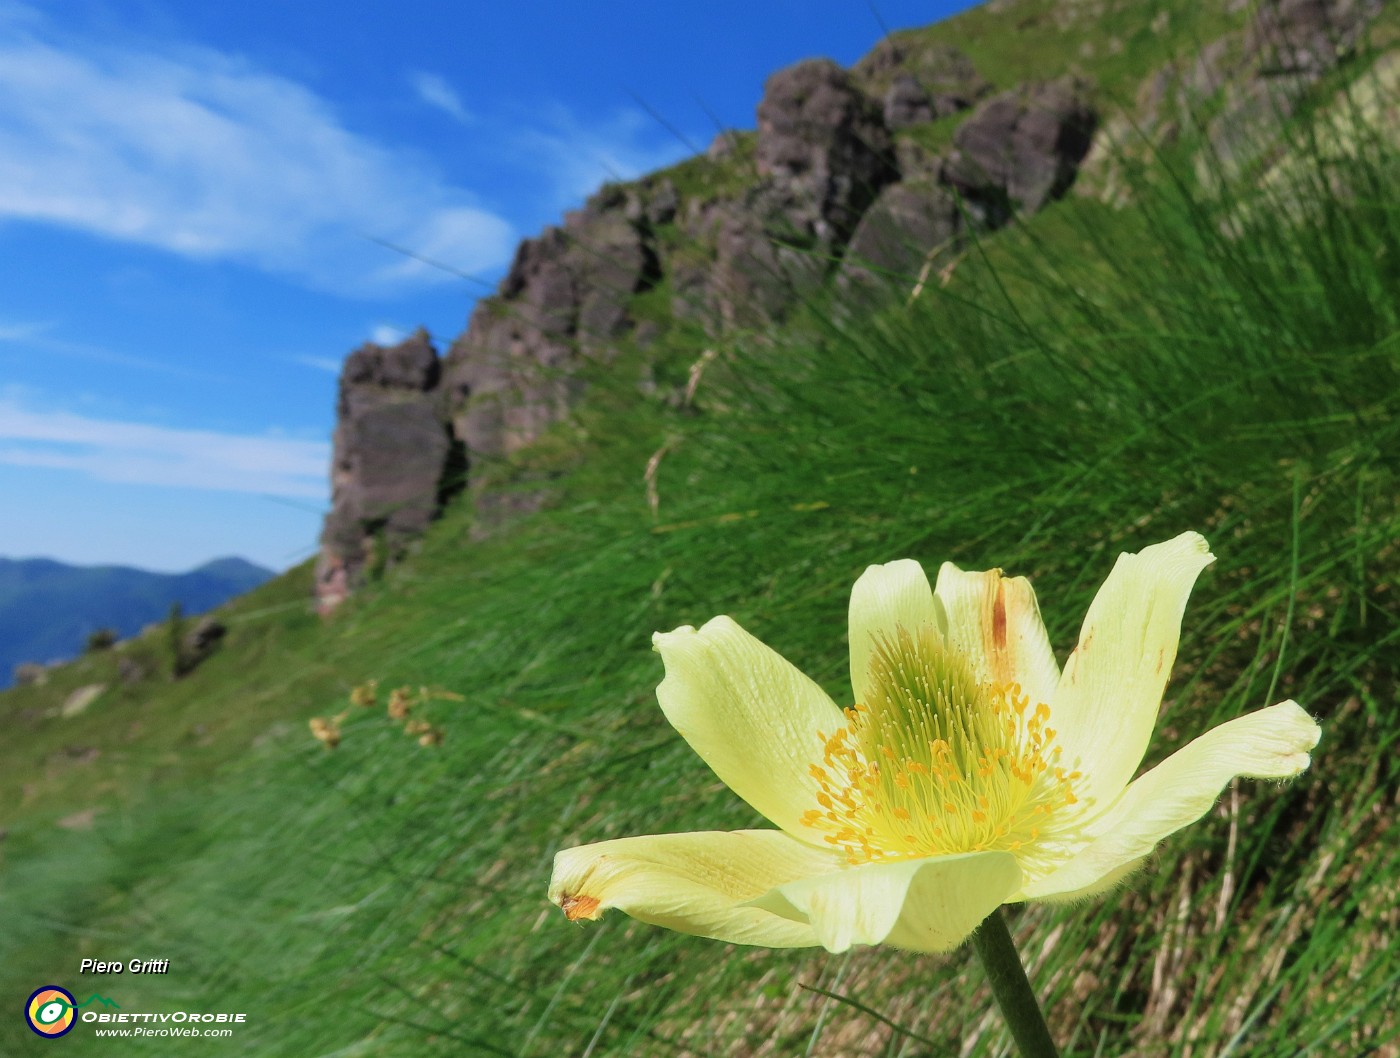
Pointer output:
x,y
387,334
202,154
320,363
434,90
582,156
140,453
437,247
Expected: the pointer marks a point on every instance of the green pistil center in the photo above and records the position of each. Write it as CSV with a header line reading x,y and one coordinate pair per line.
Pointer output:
x,y
935,762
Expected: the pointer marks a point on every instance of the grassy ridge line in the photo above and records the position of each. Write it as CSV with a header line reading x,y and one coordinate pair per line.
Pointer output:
x,y
388,899
1114,42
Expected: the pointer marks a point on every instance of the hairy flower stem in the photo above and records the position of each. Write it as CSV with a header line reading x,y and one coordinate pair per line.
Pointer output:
x,y
1012,990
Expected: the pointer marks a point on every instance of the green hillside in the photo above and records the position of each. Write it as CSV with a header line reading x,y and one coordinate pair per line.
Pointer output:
x,y
1091,382
48,609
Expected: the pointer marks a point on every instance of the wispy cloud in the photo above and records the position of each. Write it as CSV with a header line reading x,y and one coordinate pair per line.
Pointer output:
x,y
583,155
40,336
434,90
145,454
22,332
320,363
432,249
203,154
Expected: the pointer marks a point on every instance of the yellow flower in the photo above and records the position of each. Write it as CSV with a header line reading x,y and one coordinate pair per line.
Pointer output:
x,y
971,771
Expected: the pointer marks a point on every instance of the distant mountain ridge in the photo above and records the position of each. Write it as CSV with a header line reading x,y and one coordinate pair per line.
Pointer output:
x,y
49,608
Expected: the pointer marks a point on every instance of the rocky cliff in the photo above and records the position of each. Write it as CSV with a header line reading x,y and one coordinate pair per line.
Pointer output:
x,y
870,175
395,461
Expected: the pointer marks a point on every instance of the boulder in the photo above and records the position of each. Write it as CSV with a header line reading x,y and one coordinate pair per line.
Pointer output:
x,y
611,261
542,288
654,203
205,636
908,103
410,365
1287,46
823,146
919,81
912,224
507,379
515,371
822,154
1021,149
763,259
917,162
196,645
30,674
390,448
1307,37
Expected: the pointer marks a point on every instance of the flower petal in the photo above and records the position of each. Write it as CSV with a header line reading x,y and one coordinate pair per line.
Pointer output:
x,y
884,599
1108,698
921,905
693,883
995,622
1272,743
752,716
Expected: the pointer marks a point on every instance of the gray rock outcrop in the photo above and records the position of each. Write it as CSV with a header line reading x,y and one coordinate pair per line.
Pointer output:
x,y
912,224
1021,149
30,674
204,638
738,236
390,453
514,371
1307,37
823,145
919,82
837,180
1288,46
1245,86
822,156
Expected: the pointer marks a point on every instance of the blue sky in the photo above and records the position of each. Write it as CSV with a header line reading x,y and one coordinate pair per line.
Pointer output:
x,y
194,199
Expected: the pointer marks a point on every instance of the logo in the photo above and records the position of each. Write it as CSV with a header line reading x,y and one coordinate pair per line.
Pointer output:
x,y
50,1011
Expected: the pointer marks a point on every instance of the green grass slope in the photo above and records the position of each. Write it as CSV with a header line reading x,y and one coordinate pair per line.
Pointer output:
x,y
1092,383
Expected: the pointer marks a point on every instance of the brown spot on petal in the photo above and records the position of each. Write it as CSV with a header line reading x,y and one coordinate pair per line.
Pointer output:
x,y
1161,659
577,907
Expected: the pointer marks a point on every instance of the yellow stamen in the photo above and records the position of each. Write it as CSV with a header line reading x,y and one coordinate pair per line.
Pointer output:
x,y
968,763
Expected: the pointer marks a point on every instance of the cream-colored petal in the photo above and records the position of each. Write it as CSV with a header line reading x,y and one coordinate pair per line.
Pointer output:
x,y
699,883
1107,883
752,716
920,905
995,622
1272,743
885,599
1111,690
